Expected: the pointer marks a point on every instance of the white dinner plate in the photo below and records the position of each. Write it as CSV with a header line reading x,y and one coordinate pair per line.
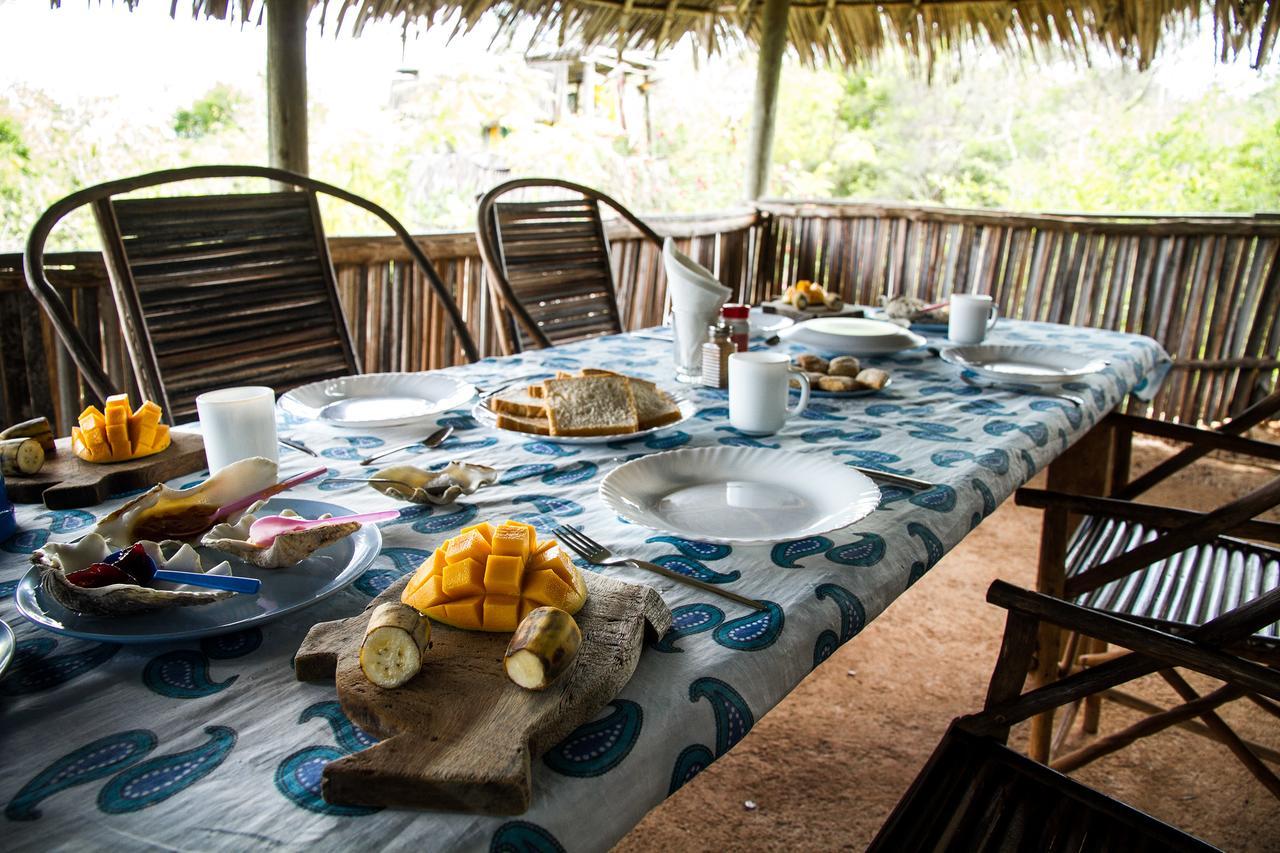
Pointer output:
x,y
372,400
739,495
852,336
1033,364
485,415
7,646
283,591
765,324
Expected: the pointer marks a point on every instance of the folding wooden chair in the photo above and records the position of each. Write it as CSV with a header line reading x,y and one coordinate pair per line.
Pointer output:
x,y
549,270
977,794
218,290
1161,566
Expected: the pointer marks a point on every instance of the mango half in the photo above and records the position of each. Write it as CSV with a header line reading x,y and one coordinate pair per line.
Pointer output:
x,y
115,435
488,579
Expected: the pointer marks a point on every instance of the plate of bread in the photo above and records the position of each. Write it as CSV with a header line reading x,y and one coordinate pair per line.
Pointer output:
x,y
843,376
591,407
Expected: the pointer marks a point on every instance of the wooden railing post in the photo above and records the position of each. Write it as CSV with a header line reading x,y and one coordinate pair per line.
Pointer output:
x,y
287,85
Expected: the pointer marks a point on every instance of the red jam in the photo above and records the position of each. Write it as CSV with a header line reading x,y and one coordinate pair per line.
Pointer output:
x,y
130,565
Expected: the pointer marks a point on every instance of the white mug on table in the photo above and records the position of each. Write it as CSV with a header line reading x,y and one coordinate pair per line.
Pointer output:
x,y
237,423
758,388
972,316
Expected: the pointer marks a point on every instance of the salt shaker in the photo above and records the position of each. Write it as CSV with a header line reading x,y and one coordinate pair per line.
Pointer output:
x,y
715,356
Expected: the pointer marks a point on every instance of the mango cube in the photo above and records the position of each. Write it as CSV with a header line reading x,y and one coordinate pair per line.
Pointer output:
x,y
464,578
467,546
502,574
557,561
511,540
424,594
484,528
466,611
501,612
547,588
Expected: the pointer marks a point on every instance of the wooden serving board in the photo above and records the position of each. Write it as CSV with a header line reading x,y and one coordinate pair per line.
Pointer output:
x,y
784,309
66,481
460,736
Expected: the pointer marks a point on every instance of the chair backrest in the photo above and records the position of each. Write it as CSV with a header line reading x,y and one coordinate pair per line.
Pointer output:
x,y
548,263
218,290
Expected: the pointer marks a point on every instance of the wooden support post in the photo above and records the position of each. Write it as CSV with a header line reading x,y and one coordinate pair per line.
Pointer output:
x,y
764,113
287,84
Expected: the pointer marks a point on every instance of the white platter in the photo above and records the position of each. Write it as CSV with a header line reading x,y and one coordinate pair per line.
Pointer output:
x,y
852,336
373,400
485,415
1033,364
739,495
765,324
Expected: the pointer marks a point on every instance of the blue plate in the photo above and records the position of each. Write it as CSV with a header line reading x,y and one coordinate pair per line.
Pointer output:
x,y
6,646
283,591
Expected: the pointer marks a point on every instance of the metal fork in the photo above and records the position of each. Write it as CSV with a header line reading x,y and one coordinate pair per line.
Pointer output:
x,y
593,552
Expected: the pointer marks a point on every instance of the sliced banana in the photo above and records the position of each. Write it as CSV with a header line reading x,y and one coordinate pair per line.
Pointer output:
x,y
542,648
395,642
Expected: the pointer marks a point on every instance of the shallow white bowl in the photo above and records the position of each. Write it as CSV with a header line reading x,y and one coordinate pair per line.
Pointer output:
x,y
852,336
1033,364
373,400
739,495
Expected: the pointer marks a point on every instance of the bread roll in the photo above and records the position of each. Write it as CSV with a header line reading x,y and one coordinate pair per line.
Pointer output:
x,y
873,377
812,363
845,365
813,379
837,383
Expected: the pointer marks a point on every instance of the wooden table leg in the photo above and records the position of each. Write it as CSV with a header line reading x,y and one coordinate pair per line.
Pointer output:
x,y
1084,469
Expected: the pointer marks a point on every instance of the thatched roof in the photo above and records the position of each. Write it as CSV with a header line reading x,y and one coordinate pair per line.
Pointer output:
x,y
842,31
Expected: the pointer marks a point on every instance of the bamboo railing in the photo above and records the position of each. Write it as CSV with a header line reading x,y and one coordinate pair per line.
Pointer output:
x,y
1208,288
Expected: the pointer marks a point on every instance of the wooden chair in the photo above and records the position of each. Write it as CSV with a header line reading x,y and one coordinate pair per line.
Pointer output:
x,y
977,794
549,271
1165,567
217,290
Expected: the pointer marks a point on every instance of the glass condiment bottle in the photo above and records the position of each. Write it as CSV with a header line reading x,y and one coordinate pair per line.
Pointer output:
x,y
715,356
736,316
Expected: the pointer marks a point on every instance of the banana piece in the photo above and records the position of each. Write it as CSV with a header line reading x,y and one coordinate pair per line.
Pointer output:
x,y
21,457
542,648
395,641
833,302
37,428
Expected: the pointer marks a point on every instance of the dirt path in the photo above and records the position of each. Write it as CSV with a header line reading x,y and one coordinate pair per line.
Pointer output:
x,y
824,768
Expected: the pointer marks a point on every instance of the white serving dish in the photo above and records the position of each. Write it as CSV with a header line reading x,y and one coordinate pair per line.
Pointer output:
x,y
485,415
765,324
372,400
852,336
739,495
1033,364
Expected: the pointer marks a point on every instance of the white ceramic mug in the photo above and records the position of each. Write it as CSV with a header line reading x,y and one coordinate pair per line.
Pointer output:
x,y
758,389
972,316
237,423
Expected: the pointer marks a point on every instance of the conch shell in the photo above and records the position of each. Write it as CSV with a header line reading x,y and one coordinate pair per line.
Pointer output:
x,y
123,599
436,487
237,480
287,549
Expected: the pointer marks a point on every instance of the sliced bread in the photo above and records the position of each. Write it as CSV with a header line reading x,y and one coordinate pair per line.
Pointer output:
x,y
591,405
653,407
536,426
518,401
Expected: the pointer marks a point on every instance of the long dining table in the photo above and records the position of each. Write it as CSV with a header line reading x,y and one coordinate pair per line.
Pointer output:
x,y
213,743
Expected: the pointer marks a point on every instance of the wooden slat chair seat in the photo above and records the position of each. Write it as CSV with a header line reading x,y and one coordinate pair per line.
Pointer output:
x,y
1182,591
218,290
550,272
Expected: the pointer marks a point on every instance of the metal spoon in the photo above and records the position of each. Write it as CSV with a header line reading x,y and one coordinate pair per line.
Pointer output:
x,y
434,440
297,445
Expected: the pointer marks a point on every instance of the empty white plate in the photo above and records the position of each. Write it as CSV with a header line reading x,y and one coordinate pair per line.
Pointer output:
x,y
852,336
1033,364
739,495
373,400
764,323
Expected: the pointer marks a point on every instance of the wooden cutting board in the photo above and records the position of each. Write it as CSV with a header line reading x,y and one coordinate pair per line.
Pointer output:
x,y
66,481
784,309
461,736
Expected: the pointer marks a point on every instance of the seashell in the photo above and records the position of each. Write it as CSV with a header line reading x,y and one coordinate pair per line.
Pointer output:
x,y
122,599
287,549
435,487
237,480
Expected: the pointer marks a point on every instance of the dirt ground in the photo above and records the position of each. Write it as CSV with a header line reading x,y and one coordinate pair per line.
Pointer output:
x,y
823,769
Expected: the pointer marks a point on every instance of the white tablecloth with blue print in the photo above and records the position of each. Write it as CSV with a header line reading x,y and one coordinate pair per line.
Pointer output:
x,y
213,744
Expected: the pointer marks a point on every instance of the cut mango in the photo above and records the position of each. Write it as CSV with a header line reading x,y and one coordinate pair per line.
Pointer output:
x,y
488,579
116,435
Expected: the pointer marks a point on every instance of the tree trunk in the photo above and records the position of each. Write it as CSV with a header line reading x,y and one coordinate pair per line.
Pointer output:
x,y
287,84
773,43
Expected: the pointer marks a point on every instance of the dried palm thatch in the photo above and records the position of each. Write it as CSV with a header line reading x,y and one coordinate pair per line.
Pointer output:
x,y
840,31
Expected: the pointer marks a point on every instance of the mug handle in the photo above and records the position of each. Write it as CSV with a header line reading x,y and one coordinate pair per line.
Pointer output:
x,y
995,315
804,391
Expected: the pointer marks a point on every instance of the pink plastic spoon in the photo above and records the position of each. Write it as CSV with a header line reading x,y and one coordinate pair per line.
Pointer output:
x,y
266,529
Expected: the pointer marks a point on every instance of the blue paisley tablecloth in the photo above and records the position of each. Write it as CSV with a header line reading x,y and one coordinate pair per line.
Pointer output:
x,y
213,744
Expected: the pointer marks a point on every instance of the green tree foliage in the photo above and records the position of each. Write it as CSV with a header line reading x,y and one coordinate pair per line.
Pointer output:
x,y
214,111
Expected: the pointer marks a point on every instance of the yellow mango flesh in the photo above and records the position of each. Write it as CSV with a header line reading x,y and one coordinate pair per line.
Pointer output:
x,y
488,579
116,435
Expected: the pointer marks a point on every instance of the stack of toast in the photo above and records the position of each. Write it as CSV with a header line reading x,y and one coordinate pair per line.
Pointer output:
x,y
594,402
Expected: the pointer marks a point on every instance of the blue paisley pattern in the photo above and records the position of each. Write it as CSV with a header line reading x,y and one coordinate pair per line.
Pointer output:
x,y
175,748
